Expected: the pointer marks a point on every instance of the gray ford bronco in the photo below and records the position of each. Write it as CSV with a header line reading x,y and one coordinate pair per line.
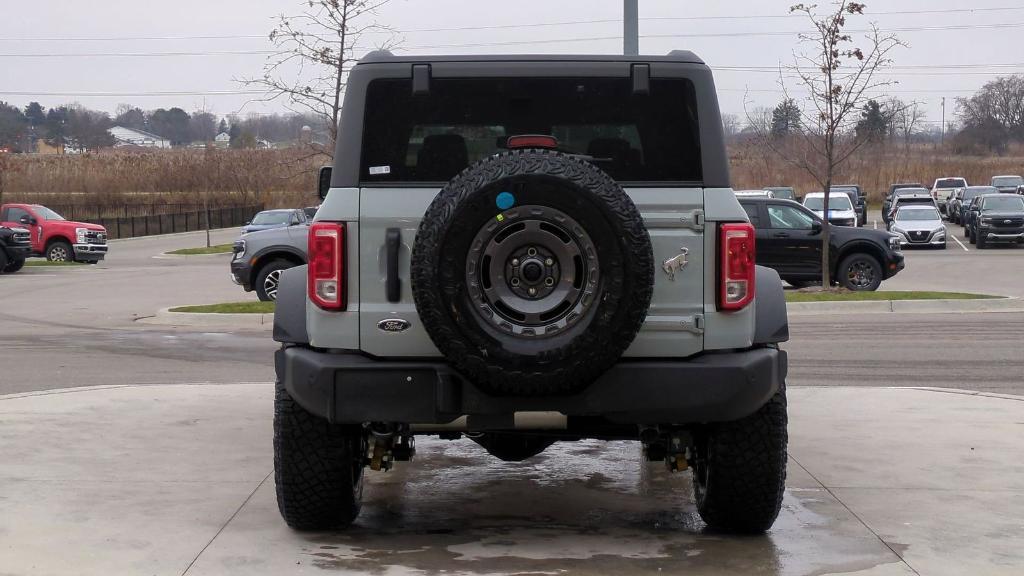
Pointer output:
x,y
525,250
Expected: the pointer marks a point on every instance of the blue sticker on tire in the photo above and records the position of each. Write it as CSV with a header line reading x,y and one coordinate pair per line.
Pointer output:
x,y
505,200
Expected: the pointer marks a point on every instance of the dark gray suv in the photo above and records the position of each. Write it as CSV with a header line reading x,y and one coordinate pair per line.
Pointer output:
x,y
259,258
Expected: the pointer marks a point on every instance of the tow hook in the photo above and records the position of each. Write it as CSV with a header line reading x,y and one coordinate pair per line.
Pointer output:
x,y
672,448
677,453
387,448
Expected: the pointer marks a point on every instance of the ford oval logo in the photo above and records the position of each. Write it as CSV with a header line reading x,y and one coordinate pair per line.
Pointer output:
x,y
393,325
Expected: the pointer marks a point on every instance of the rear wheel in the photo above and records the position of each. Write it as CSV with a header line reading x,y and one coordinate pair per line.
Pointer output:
x,y
318,467
739,473
860,272
60,251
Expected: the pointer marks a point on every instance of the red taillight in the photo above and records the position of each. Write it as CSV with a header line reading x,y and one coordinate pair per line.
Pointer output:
x,y
532,141
326,283
735,266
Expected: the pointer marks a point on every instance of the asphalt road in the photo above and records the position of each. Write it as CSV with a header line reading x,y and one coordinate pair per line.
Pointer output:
x,y
70,327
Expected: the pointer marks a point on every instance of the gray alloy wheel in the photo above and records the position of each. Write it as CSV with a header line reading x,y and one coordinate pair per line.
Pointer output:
x,y
59,252
268,280
271,282
532,274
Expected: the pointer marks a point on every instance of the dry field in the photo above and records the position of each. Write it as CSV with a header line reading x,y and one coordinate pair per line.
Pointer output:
x,y
278,178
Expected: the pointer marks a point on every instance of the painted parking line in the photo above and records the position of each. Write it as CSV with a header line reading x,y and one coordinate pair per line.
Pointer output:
x,y
957,240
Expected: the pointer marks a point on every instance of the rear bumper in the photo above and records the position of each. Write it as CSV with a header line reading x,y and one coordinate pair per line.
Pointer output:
x,y
352,388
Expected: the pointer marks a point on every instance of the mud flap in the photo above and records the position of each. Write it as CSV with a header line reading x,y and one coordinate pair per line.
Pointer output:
x,y
771,324
290,310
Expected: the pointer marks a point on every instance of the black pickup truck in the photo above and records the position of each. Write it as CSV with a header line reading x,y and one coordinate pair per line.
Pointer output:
x,y
997,218
15,246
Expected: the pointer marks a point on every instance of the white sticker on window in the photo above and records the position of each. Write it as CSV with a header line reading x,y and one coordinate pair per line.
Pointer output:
x,y
377,170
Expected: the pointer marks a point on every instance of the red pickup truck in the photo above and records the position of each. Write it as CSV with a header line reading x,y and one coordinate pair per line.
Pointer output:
x,y
58,239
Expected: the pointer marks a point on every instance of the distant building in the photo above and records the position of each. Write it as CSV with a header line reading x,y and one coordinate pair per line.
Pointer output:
x,y
222,140
130,137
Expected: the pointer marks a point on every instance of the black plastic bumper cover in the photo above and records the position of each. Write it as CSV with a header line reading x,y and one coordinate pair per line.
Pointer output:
x,y
352,388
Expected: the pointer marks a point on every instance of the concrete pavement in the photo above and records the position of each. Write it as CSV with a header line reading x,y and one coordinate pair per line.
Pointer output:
x,y
177,480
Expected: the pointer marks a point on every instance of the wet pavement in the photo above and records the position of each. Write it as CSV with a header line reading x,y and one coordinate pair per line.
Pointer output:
x,y
177,480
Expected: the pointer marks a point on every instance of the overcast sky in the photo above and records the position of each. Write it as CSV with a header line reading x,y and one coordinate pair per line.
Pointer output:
x,y
58,51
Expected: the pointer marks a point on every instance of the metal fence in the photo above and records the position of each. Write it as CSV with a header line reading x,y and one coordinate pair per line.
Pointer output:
x,y
132,226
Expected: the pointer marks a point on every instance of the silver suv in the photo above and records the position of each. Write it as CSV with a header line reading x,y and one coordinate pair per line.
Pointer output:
x,y
525,251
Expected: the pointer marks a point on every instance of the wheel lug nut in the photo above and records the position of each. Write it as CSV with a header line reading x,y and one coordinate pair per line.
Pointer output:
x,y
515,261
533,291
532,251
549,262
549,281
514,281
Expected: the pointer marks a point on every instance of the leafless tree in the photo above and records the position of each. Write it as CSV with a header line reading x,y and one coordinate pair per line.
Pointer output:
x,y
731,125
905,118
836,78
315,50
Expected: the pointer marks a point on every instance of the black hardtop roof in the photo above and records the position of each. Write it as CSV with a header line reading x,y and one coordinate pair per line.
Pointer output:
x,y
386,57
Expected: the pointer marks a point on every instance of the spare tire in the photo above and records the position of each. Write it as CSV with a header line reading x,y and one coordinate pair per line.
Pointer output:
x,y
532,272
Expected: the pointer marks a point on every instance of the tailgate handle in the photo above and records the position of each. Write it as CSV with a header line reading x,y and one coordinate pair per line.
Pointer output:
x,y
393,284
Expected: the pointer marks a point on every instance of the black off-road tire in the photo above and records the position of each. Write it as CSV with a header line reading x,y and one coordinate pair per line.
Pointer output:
x,y
739,475
979,241
266,270
13,265
318,467
60,251
843,276
4,262
500,361
513,447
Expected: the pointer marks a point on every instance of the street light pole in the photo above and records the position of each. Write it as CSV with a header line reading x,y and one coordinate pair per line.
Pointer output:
x,y
630,28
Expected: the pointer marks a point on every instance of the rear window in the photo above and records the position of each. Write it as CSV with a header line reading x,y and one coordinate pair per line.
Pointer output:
x,y
433,137
951,183
972,192
1007,181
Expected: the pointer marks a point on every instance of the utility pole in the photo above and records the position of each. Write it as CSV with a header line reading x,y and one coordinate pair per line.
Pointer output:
x,y
942,133
630,28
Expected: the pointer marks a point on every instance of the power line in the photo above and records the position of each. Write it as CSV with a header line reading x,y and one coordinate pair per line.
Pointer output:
x,y
514,26
152,93
752,33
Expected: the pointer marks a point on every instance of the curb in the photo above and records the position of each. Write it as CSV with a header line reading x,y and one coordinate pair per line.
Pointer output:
x,y
164,317
906,306
169,256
